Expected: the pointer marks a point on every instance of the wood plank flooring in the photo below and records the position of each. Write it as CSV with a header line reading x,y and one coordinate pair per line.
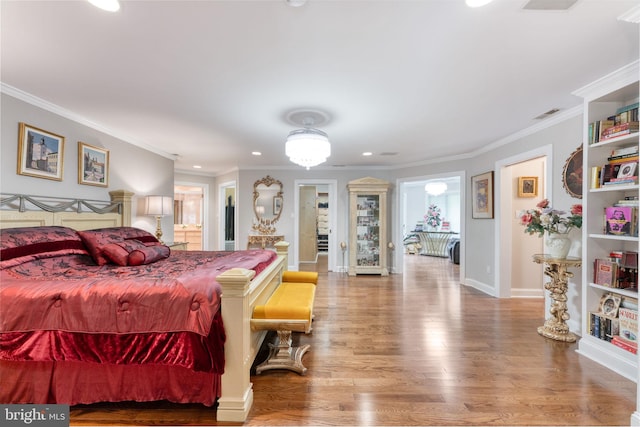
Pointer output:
x,y
416,349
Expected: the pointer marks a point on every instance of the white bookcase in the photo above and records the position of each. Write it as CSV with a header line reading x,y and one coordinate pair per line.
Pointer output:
x,y
601,100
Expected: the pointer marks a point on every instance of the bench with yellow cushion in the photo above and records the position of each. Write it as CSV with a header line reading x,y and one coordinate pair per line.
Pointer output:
x,y
288,309
300,277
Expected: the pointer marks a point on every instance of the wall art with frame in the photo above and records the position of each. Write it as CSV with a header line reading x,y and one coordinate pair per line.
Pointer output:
x,y
527,186
482,194
93,165
572,174
40,153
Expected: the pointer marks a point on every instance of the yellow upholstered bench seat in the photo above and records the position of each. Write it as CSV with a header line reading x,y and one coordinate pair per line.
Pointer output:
x,y
300,277
288,309
291,303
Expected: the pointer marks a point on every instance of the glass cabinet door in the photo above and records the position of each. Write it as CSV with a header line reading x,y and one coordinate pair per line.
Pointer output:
x,y
368,230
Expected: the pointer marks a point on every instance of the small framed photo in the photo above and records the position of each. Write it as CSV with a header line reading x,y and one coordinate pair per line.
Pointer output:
x,y
482,194
93,165
609,305
40,153
277,205
527,186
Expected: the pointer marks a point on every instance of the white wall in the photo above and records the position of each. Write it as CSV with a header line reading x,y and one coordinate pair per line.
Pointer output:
x,y
131,168
526,276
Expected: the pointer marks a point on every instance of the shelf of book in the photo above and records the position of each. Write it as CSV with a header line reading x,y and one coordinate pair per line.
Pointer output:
x,y
612,237
610,165
617,187
625,292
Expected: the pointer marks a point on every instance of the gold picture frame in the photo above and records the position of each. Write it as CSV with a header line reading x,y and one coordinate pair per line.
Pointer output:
x,y
40,153
482,196
93,165
572,174
527,186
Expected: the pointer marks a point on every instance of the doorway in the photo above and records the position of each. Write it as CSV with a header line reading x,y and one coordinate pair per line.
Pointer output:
x,y
411,206
227,216
314,222
189,215
508,235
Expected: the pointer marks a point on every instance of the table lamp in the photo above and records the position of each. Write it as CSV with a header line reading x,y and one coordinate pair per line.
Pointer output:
x,y
158,206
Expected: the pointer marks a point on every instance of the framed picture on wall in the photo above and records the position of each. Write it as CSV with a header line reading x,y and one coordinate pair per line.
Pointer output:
x,y
527,186
93,165
482,194
40,153
572,174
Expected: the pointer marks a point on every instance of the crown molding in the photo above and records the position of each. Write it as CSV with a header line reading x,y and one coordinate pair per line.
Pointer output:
x,y
67,114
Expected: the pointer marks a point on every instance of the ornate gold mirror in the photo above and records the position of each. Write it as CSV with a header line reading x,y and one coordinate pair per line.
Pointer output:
x,y
267,204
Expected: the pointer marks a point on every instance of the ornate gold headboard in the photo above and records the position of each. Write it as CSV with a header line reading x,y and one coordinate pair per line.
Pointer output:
x,y
20,210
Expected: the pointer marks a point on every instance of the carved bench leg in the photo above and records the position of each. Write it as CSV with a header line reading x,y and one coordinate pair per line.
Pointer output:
x,y
283,356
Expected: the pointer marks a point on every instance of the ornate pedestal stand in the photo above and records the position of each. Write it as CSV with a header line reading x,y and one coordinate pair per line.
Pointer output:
x,y
556,268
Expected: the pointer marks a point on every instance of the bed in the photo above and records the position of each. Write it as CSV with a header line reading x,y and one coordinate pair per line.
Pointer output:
x,y
113,315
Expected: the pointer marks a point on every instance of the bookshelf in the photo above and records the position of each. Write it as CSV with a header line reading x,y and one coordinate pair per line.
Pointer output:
x,y
368,226
602,100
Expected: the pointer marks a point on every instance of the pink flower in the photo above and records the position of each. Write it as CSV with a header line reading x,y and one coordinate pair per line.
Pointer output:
x,y
526,219
543,204
576,210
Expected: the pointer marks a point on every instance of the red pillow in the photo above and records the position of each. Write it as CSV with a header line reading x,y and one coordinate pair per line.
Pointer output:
x,y
23,244
119,252
96,240
148,254
134,252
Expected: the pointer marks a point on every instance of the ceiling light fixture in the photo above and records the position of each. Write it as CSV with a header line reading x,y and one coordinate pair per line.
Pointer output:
x,y
477,3
307,147
435,188
108,5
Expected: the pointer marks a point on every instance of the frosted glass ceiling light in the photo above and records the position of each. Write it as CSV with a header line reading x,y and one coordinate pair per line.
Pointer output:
x,y
435,188
308,147
108,5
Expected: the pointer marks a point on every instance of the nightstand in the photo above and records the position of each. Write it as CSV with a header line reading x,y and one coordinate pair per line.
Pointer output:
x,y
178,246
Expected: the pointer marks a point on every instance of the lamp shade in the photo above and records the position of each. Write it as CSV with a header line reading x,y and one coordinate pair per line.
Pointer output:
x,y
308,147
158,205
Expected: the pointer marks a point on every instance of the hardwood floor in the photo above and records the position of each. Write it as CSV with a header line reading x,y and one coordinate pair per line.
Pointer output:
x,y
416,349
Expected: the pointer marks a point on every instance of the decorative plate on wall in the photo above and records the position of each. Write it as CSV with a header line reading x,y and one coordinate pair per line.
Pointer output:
x,y
572,174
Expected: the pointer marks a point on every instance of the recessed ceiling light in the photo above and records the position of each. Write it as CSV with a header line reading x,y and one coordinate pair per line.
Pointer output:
x,y
367,153
256,153
296,3
197,167
108,5
477,3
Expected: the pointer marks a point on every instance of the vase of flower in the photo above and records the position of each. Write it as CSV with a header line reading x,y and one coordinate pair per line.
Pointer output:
x,y
554,225
557,245
433,218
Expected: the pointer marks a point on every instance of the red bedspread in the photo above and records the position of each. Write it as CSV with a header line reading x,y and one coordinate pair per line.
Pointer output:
x,y
70,293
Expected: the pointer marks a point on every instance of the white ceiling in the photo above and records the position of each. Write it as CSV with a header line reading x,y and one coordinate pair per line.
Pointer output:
x,y
211,81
